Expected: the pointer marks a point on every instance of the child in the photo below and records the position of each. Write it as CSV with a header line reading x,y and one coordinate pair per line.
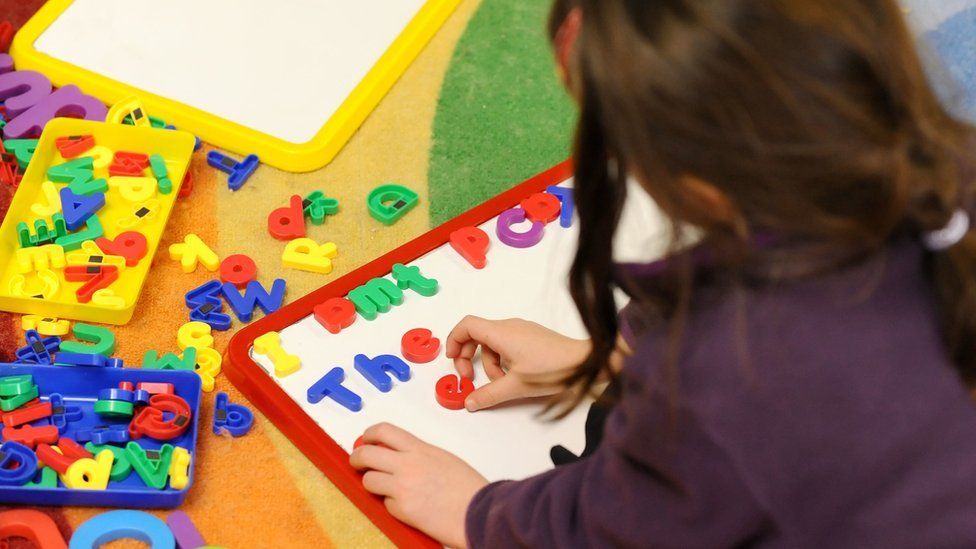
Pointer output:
x,y
801,376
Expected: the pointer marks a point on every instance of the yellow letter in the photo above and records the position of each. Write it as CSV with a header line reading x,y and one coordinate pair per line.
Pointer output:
x,y
192,250
305,254
90,474
194,334
270,345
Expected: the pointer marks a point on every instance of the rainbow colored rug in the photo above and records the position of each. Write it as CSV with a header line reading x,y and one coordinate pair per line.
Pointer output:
x,y
479,111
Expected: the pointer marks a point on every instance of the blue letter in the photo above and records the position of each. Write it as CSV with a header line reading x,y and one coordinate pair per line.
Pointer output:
x,y
377,371
331,386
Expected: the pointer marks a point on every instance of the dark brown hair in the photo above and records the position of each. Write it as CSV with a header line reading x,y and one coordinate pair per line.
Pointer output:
x,y
813,118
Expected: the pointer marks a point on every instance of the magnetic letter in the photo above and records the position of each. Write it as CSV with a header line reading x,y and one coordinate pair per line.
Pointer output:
x,y
22,90
288,222
191,251
518,240
541,207
472,244
566,197
254,295
67,101
331,386
419,346
335,314
376,296
377,370
410,278
269,345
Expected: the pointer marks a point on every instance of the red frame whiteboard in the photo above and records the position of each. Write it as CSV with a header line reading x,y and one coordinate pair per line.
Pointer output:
x,y
270,398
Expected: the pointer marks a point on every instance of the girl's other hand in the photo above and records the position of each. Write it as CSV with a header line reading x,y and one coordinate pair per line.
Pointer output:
x,y
422,485
522,359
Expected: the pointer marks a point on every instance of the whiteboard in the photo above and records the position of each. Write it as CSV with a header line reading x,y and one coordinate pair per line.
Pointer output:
x,y
290,81
282,68
510,442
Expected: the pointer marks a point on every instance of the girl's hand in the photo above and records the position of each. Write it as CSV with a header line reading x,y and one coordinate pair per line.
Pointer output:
x,y
424,486
514,352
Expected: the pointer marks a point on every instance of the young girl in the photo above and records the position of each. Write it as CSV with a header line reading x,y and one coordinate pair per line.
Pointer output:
x,y
801,376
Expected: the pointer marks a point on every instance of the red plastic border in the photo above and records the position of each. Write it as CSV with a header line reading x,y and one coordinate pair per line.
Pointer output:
x,y
281,410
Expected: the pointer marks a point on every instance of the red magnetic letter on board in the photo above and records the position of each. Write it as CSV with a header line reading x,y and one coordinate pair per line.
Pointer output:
x,y
335,314
451,391
542,207
419,346
472,243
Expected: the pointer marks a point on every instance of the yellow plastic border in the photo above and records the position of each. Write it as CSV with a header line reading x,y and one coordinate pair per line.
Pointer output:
x,y
293,157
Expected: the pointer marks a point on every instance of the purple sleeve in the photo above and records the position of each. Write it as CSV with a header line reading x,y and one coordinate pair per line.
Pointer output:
x,y
657,477
633,324
625,325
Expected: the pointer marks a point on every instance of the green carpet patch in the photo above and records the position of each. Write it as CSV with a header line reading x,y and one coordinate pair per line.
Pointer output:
x,y
503,115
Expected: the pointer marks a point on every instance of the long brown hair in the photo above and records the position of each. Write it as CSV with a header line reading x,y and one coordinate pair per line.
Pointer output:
x,y
813,118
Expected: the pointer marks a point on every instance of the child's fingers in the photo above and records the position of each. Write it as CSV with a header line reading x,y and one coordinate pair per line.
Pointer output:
x,y
501,390
468,349
464,367
378,483
471,328
462,362
456,339
395,509
377,458
492,362
389,435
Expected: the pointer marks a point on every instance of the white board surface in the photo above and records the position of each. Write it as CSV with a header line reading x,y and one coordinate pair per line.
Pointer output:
x,y
510,442
281,68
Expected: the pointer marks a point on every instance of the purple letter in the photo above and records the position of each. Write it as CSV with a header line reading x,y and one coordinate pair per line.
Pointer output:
x,y
22,90
518,240
67,101
6,63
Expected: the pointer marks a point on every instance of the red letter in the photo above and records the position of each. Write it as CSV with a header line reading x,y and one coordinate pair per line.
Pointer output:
x,y
472,244
131,245
288,222
238,269
452,390
31,436
335,314
37,527
541,207
419,346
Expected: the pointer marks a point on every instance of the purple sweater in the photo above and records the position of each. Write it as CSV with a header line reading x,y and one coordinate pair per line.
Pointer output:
x,y
822,413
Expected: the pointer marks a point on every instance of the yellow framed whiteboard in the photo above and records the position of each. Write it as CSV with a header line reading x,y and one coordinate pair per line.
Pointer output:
x,y
290,80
